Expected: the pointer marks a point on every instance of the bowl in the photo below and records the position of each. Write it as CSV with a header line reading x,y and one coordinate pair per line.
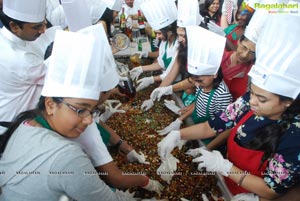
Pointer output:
x,y
120,41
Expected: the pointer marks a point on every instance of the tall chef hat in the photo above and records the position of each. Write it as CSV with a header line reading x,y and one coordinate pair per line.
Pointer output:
x,y
77,14
188,13
33,11
277,62
159,13
205,51
115,4
72,73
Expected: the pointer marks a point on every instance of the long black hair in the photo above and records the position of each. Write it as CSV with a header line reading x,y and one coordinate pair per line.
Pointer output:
x,y
172,27
182,58
267,138
27,115
108,18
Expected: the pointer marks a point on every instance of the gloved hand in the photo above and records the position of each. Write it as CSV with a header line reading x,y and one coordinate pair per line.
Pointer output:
x,y
110,110
245,197
147,104
133,156
167,168
215,28
168,144
129,23
160,91
155,42
144,82
181,143
154,185
175,125
170,104
213,162
136,72
194,152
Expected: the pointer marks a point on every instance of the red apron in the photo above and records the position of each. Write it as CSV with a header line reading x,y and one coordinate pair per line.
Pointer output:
x,y
245,159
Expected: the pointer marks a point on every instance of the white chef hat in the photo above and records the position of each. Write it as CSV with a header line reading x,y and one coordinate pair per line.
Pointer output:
x,y
159,13
188,13
115,4
96,8
33,11
256,24
205,51
77,14
76,64
277,62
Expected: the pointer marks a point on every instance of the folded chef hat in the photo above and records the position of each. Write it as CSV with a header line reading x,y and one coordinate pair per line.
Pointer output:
x,y
205,51
33,11
77,64
77,14
188,13
115,4
277,62
159,13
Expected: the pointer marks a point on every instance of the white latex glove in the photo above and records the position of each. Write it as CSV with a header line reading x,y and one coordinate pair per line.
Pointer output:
x,y
144,82
154,185
133,156
181,143
245,197
155,42
213,162
110,110
175,125
147,104
215,28
193,152
170,104
129,23
166,146
126,194
160,91
167,168
136,72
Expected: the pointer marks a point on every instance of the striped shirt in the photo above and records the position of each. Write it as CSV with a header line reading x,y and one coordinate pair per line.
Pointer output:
x,y
220,100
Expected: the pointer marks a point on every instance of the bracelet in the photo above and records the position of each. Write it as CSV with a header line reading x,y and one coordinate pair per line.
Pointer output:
x,y
242,178
119,143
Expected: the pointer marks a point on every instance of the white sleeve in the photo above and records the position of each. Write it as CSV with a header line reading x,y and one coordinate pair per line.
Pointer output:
x,y
93,145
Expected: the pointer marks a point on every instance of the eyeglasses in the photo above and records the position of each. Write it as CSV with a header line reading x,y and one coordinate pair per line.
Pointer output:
x,y
81,112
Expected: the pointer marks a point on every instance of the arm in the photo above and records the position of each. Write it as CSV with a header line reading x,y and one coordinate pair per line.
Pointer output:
x,y
197,131
252,183
171,76
151,67
187,111
219,140
117,179
182,85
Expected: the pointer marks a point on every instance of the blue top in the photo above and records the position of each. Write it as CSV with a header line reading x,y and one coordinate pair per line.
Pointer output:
x,y
283,169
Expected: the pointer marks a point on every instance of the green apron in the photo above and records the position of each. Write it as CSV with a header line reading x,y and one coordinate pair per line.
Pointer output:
x,y
105,135
197,119
166,60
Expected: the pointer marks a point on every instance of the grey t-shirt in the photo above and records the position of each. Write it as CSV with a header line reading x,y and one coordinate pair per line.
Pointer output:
x,y
39,164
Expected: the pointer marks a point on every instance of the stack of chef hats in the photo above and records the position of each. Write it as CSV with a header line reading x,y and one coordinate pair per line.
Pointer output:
x,y
205,51
76,64
33,11
278,56
159,13
188,13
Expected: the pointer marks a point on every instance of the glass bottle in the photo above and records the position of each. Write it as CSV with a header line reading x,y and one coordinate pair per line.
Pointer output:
x,y
126,87
123,21
141,23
